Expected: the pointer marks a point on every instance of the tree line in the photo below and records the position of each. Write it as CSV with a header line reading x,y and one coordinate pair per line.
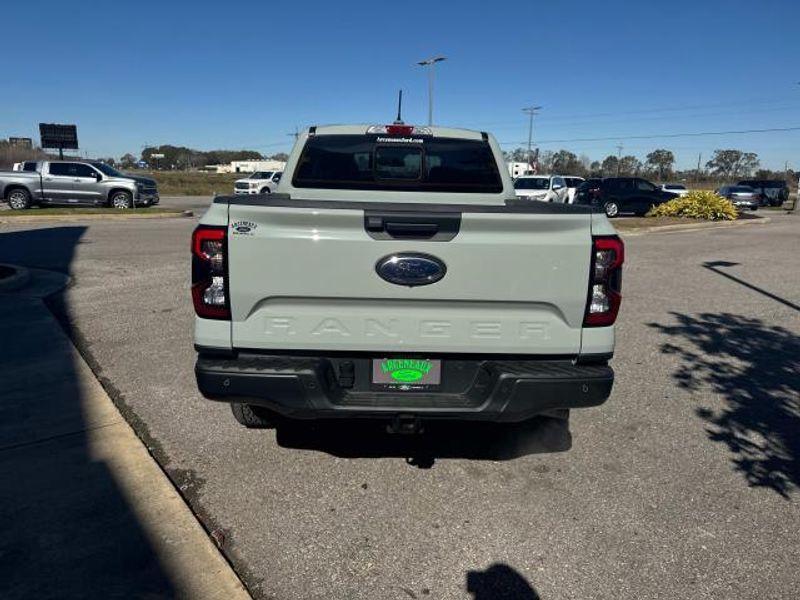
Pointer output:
x,y
183,158
724,165
175,157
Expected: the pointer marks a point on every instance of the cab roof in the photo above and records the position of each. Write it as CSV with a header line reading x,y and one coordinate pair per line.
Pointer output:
x,y
435,131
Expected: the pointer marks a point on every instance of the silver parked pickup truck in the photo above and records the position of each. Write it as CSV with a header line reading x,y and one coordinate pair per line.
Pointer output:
x,y
63,182
394,274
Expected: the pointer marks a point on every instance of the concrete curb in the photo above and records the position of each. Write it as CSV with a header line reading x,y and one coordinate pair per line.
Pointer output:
x,y
95,217
190,560
693,226
18,279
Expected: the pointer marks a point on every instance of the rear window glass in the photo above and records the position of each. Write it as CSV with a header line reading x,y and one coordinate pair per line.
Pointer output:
x,y
370,162
532,183
29,166
398,162
60,168
741,189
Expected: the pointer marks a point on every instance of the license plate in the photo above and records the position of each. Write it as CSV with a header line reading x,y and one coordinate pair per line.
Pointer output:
x,y
406,373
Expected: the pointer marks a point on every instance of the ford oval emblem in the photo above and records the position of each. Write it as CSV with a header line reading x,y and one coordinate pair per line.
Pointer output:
x,y
410,268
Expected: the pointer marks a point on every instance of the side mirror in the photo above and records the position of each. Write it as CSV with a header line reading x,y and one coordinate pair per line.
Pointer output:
x,y
98,176
557,186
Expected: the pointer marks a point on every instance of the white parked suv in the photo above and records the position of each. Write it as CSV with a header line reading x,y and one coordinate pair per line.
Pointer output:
x,y
545,188
260,182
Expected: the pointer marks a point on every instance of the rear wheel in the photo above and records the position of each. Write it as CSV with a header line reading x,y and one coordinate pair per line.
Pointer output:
x,y
254,417
562,414
612,209
121,200
19,199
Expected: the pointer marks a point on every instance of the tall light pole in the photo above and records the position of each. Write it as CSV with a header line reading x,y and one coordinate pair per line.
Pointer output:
x,y
530,111
430,62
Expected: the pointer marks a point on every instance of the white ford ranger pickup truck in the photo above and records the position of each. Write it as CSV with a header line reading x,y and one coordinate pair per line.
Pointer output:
x,y
393,274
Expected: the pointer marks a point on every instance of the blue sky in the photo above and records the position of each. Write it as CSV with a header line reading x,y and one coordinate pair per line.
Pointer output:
x,y
242,75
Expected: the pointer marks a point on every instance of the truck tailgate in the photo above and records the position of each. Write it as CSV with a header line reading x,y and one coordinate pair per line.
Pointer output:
x,y
304,278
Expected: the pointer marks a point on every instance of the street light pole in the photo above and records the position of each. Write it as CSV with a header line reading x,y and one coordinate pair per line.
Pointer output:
x,y
530,111
430,62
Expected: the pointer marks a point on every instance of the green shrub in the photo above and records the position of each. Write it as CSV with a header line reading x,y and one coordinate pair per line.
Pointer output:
x,y
697,205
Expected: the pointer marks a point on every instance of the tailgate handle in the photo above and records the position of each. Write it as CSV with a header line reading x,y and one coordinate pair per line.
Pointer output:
x,y
412,230
412,225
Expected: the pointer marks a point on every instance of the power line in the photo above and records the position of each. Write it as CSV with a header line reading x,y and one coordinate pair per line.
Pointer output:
x,y
660,136
674,108
581,122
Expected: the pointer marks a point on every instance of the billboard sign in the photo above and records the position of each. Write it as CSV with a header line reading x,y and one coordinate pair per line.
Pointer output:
x,y
21,141
59,136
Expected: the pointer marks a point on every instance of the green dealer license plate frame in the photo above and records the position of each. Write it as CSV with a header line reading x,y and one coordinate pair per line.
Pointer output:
x,y
406,373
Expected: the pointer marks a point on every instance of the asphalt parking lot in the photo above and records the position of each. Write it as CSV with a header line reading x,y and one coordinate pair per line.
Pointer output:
x,y
197,204
684,485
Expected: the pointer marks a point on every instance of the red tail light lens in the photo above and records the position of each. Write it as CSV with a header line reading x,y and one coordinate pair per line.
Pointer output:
x,y
399,129
210,272
605,281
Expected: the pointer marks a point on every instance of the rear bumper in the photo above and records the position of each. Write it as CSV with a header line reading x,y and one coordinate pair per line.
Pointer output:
x,y
477,389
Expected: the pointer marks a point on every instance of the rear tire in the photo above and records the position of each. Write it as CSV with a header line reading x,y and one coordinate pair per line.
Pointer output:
x,y
254,417
612,209
121,200
19,199
562,414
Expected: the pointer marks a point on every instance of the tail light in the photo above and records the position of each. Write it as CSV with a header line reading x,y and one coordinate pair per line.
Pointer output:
x,y
210,272
605,281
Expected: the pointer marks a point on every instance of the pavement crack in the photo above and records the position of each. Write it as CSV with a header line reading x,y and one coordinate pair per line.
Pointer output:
x,y
58,436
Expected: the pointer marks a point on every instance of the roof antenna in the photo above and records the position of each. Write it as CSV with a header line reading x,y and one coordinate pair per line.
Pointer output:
x,y
399,119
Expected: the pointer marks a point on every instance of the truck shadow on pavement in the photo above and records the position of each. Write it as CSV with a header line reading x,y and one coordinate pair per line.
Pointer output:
x,y
499,582
440,439
68,529
755,369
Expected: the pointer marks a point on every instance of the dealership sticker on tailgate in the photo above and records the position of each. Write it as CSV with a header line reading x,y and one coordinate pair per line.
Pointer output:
x,y
406,373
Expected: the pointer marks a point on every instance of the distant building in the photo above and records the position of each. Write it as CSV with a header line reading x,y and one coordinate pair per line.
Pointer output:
x,y
217,168
251,166
517,169
246,166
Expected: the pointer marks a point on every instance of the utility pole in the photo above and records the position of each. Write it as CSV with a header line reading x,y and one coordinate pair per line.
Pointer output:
x,y
295,134
619,157
699,158
530,111
430,62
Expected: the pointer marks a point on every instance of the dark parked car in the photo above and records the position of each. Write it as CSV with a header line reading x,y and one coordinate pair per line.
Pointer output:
x,y
616,195
771,192
742,196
